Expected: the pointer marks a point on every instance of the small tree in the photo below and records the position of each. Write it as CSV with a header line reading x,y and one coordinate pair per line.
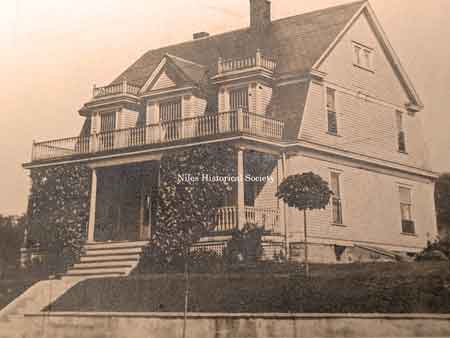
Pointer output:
x,y
306,191
442,201
11,239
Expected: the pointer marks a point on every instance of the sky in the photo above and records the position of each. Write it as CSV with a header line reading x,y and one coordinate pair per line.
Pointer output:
x,y
54,51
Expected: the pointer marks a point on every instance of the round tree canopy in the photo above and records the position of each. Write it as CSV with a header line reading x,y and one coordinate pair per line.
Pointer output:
x,y
305,191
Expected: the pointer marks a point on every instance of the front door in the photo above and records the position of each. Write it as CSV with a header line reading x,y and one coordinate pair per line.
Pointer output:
x,y
126,203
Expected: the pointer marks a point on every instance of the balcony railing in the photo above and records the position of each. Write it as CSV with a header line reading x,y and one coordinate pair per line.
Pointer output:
x,y
258,60
267,218
114,89
161,133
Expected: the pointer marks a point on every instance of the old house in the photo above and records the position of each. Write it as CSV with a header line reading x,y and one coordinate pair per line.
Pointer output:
x,y
322,91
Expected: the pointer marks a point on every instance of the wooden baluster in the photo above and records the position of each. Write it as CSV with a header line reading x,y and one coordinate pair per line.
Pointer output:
x,y
258,58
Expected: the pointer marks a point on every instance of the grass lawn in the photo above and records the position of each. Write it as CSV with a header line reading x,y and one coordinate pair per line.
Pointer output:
x,y
356,288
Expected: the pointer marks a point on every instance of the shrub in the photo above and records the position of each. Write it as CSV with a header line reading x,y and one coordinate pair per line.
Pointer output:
x,y
245,245
199,261
431,252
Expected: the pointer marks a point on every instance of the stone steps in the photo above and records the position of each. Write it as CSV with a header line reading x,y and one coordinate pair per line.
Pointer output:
x,y
107,259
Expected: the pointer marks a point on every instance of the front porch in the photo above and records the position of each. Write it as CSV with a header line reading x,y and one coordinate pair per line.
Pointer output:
x,y
124,203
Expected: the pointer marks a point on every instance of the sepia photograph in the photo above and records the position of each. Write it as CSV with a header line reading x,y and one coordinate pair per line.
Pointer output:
x,y
225,169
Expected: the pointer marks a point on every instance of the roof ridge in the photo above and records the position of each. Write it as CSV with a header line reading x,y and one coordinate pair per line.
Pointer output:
x,y
171,56
353,3
211,37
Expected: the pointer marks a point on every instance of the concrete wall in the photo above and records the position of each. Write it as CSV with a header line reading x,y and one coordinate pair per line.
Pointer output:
x,y
235,326
370,207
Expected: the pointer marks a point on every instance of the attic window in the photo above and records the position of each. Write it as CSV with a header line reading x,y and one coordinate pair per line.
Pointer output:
x,y
362,56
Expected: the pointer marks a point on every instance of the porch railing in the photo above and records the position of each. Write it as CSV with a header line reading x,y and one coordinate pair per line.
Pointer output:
x,y
257,60
161,133
268,218
114,89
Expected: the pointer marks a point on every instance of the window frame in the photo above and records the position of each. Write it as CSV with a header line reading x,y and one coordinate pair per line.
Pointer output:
x,y
358,57
401,133
331,110
337,198
409,205
173,100
236,89
103,116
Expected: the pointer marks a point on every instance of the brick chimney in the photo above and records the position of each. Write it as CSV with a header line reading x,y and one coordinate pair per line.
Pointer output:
x,y
260,16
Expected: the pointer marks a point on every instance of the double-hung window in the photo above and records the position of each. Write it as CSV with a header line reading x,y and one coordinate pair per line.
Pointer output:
x,y
331,111
401,135
170,110
107,126
408,226
170,115
336,202
239,98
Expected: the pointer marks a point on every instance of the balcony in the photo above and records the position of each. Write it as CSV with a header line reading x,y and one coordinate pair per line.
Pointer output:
x,y
258,61
210,125
227,219
122,88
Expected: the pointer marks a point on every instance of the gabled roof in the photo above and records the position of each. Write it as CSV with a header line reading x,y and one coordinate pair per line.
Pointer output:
x,y
189,71
296,43
416,103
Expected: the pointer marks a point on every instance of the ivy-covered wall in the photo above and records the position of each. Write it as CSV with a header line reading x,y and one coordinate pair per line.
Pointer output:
x,y
186,209
58,208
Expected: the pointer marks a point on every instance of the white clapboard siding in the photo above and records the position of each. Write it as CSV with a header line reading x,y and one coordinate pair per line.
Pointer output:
x,y
366,217
163,81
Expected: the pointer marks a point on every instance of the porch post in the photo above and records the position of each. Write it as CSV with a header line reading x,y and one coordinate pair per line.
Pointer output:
x,y
91,226
284,211
240,189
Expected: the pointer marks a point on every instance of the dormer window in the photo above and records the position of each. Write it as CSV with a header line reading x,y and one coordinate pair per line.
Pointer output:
x,y
170,110
362,56
239,98
107,122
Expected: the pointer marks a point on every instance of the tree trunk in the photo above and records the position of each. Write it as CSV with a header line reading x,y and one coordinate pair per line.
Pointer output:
x,y
306,244
186,291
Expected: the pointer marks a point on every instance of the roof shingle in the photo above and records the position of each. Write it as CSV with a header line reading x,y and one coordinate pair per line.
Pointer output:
x,y
295,42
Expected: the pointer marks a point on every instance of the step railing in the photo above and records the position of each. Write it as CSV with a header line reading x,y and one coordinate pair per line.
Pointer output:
x,y
226,219
118,88
162,133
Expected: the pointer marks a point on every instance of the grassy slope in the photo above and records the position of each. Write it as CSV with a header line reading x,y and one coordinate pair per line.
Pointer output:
x,y
368,288
10,289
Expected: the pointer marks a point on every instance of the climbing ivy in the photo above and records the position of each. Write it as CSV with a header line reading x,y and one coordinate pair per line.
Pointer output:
x,y
186,208
58,209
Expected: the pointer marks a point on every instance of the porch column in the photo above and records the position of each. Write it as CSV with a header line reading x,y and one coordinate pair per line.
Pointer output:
x,y
91,225
283,211
240,189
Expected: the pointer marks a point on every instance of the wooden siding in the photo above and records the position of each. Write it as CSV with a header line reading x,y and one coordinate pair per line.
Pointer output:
x,y
364,127
264,97
223,100
265,196
164,81
366,104
370,207
382,83
128,118
152,113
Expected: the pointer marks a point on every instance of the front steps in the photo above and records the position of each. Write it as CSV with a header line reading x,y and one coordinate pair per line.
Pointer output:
x,y
107,259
